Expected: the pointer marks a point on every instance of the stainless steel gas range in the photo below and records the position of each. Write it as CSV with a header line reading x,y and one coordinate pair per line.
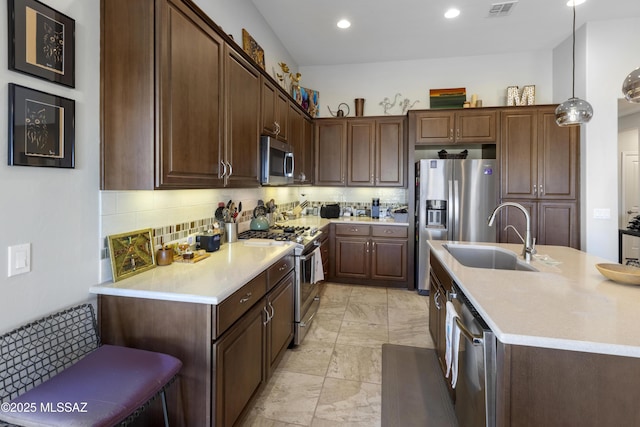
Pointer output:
x,y
307,286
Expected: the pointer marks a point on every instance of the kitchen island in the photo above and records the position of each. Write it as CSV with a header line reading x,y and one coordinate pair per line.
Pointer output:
x,y
568,349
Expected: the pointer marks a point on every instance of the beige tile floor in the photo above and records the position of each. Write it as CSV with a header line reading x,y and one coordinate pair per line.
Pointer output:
x,y
334,377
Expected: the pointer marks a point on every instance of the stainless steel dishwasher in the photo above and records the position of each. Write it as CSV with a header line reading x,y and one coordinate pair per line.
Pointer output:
x,y
475,402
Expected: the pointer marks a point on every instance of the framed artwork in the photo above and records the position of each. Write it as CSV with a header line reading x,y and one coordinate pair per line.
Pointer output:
x,y
308,99
131,253
41,42
41,129
250,46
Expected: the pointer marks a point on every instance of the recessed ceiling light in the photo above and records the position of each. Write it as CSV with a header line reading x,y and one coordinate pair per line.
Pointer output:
x,y
451,13
570,3
343,23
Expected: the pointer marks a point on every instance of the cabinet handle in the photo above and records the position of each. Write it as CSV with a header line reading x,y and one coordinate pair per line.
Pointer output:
x,y
541,190
267,314
246,298
457,133
230,169
273,311
353,230
224,169
451,134
373,246
284,267
276,128
388,231
367,247
535,189
436,296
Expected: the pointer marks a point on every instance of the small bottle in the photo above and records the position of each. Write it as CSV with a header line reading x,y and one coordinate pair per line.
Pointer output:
x,y
375,209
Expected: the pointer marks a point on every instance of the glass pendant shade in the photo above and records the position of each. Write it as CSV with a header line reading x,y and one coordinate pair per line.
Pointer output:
x,y
631,86
573,111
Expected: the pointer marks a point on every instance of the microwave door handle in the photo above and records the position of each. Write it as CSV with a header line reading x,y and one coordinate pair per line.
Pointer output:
x,y
284,165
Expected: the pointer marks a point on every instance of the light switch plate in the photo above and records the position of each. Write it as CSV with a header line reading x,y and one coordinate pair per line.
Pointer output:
x,y
19,259
602,214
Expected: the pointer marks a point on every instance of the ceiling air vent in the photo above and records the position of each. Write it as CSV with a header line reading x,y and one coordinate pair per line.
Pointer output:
x,y
502,9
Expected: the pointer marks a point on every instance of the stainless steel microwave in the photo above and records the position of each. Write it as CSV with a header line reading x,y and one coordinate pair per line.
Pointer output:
x,y
276,162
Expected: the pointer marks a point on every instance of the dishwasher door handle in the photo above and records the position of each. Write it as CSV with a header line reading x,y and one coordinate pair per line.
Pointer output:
x,y
475,339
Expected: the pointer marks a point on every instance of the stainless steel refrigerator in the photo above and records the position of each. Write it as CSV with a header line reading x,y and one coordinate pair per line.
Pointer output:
x,y
454,199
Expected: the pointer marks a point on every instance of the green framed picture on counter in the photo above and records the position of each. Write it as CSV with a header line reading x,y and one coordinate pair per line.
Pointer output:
x,y
131,253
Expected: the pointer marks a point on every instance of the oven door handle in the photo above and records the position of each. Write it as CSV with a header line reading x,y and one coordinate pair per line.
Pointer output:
x,y
307,257
475,339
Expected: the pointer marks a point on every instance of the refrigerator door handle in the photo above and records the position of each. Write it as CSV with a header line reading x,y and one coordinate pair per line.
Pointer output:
x,y
456,209
450,213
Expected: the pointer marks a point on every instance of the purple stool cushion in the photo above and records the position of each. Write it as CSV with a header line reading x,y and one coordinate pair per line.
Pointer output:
x,y
101,389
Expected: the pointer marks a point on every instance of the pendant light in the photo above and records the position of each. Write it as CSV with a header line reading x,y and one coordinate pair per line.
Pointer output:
x,y
573,111
631,86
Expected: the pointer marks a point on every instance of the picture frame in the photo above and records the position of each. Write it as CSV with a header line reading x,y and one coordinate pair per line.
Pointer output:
x,y
41,42
251,47
131,253
41,128
308,99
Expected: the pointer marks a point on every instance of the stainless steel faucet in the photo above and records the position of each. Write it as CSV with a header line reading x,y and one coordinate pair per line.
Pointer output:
x,y
529,244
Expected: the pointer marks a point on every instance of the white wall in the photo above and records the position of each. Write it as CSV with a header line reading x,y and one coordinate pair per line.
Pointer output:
x,y
611,53
56,210
234,15
487,76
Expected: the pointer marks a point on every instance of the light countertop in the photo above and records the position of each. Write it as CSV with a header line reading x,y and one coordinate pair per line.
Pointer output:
x,y
212,280
209,281
566,305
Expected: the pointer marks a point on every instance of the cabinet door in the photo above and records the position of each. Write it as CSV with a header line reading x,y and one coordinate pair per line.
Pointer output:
x,y
242,125
558,152
268,94
436,315
558,224
331,152
306,175
390,153
434,127
519,148
476,126
296,139
239,366
361,139
352,257
280,327
325,253
191,100
389,259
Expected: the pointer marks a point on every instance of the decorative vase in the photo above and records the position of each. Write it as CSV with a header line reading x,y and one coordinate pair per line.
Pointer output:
x,y
359,106
164,256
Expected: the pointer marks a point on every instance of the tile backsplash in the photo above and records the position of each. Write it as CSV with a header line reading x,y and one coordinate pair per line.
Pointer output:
x,y
175,214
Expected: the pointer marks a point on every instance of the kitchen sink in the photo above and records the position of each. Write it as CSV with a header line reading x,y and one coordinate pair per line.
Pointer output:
x,y
491,257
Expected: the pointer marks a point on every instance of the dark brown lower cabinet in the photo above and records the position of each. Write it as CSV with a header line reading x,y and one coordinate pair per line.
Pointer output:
x,y
374,254
551,387
279,305
228,351
239,366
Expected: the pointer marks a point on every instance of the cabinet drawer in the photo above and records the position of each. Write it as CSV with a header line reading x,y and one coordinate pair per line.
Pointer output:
x,y
352,229
278,270
239,303
391,231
